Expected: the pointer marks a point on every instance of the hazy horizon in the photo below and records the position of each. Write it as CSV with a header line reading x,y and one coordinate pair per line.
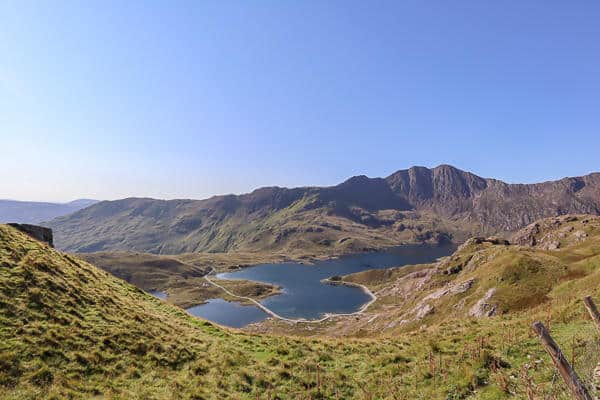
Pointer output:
x,y
106,100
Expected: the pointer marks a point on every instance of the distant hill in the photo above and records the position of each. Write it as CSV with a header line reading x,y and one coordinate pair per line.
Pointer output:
x,y
413,205
28,212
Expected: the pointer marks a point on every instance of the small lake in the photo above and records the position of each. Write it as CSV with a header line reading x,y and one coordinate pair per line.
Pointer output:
x,y
304,295
228,313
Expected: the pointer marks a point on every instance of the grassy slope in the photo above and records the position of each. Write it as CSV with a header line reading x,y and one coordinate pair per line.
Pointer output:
x,y
530,284
299,236
68,328
305,228
522,278
181,277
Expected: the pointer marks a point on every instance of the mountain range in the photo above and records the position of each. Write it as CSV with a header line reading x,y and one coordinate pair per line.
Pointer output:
x,y
30,212
413,205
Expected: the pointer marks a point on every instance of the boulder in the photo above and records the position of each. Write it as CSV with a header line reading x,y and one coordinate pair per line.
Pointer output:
x,y
483,308
424,310
580,235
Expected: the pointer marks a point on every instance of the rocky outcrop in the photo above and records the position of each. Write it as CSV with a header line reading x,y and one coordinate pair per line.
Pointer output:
x,y
527,235
555,232
483,308
451,289
424,310
37,232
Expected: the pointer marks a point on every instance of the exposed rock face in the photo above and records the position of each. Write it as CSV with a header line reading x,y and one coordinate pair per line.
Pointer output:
x,y
555,232
424,310
221,223
483,308
451,290
527,235
37,232
450,192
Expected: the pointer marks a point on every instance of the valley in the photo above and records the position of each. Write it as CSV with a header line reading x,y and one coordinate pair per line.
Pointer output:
x,y
449,295
171,245
435,331
299,200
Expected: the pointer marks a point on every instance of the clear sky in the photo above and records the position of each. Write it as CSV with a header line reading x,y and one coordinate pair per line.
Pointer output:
x,y
189,99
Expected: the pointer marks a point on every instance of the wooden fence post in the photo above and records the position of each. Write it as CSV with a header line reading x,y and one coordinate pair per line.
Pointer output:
x,y
591,307
569,375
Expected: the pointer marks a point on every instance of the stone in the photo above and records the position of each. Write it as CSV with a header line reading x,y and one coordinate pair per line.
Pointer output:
x,y
37,232
424,310
482,308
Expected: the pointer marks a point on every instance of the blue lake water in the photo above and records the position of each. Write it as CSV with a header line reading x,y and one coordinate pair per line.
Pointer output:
x,y
304,295
228,313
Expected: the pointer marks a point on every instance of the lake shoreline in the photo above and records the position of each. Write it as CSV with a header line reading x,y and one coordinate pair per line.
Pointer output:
x,y
304,298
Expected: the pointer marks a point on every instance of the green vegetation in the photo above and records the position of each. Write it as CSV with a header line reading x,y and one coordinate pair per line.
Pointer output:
x,y
410,206
69,329
438,302
302,227
181,276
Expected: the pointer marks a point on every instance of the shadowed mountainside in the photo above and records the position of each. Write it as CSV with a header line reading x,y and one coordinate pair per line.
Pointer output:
x,y
414,205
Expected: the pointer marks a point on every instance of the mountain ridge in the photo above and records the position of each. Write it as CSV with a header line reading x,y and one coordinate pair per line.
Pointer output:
x,y
418,204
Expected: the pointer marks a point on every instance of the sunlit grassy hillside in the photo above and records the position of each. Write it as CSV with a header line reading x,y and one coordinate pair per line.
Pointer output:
x,y
71,330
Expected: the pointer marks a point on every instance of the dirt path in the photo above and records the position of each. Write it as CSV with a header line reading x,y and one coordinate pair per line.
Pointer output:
x,y
299,320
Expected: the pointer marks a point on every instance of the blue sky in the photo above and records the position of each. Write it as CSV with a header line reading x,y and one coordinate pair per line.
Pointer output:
x,y
189,99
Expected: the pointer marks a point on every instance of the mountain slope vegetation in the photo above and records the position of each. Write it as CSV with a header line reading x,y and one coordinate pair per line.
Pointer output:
x,y
484,278
413,205
71,330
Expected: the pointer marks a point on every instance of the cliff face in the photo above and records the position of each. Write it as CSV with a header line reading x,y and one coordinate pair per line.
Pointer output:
x,y
413,205
496,205
444,190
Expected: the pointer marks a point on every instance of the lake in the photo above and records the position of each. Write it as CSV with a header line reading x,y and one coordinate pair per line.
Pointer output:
x,y
228,313
304,295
